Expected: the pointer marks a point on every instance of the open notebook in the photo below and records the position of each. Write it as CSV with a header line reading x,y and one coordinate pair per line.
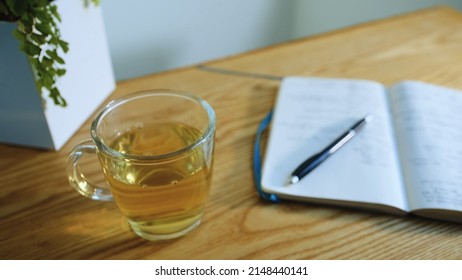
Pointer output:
x,y
407,159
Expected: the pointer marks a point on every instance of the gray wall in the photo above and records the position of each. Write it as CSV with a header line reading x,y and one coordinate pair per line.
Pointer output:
x,y
148,36
317,16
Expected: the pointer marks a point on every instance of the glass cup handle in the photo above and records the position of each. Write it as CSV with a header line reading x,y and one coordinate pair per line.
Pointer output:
x,y
78,180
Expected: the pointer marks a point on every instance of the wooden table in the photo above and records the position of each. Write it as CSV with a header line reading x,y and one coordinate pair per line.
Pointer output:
x,y
42,217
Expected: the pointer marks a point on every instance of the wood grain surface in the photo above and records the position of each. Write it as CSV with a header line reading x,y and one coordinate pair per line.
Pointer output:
x,y
42,217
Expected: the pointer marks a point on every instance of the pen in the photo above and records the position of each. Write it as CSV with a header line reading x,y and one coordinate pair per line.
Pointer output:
x,y
314,161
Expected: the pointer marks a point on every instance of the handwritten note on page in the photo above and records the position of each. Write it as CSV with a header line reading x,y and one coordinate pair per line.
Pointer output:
x,y
428,122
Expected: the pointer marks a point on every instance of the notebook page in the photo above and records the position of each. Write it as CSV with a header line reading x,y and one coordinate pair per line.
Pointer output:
x,y
429,120
309,114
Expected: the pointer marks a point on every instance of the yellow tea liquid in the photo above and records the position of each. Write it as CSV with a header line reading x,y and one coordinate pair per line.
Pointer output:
x,y
160,197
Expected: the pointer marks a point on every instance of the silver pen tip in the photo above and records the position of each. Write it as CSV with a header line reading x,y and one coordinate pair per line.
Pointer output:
x,y
292,180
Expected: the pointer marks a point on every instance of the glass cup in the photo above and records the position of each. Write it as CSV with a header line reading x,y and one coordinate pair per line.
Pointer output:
x,y
156,152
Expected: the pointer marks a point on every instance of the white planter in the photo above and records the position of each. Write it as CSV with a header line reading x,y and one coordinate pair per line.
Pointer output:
x,y
88,82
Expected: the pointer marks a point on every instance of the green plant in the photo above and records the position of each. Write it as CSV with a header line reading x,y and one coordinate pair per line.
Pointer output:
x,y
40,39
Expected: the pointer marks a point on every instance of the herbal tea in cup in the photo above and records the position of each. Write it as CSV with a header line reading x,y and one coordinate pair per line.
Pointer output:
x,y
156,151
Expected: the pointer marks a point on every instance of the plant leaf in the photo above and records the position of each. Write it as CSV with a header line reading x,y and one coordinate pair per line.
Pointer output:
x,y
21,36
64,45
39,39
47,62
44,28
61,72
54,56
31,49
54,12
57,98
